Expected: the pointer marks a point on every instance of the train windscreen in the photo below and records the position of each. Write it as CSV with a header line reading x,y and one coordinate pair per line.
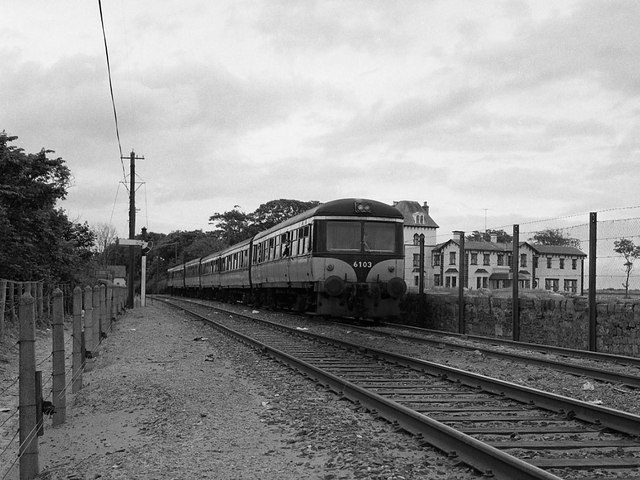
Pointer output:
x,y
361,236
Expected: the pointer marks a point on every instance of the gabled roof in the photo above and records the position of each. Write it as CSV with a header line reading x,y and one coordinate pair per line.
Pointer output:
x,y
408,208
558,250
508,247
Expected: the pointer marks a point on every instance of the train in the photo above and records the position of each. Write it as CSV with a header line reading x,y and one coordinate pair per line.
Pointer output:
x,y
343,258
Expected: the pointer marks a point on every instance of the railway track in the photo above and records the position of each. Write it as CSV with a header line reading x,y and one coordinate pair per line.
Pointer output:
x,y
600,367
499,428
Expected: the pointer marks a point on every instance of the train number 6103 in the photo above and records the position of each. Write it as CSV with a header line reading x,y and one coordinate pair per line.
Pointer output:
x,y
362,264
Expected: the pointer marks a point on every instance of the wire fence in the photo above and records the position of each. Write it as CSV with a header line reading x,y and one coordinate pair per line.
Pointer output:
x,y
612,225
27,403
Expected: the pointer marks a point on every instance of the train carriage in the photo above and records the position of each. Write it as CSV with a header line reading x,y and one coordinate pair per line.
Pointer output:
x,y
343,258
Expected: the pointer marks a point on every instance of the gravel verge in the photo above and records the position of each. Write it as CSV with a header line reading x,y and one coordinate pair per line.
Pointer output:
x,y
159,404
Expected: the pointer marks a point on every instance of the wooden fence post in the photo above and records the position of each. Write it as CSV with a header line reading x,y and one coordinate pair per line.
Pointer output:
x,y
3,301
59,376
110,305
28,451
104,322
76,385
40,299
96,318
88,320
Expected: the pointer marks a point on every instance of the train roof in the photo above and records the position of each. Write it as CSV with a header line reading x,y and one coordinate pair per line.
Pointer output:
x,y
225,251
345,207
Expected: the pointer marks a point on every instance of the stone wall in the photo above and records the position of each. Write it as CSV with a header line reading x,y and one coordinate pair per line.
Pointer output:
x,y
545,318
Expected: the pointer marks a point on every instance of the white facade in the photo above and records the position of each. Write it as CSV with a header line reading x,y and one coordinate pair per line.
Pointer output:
x,y
417,221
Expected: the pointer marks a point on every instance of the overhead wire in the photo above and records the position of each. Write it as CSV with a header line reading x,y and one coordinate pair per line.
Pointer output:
x,y
113,102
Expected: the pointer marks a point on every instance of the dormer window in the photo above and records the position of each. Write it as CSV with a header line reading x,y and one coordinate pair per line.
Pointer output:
x,y
419,218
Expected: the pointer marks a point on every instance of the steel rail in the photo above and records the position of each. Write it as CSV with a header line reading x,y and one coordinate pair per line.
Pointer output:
x,y
483,457
591,372
603,416
569,352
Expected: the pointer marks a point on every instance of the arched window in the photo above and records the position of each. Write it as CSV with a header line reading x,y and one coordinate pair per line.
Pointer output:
x,y
416,239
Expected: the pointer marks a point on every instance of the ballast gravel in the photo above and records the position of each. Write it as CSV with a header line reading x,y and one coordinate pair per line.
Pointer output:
x,y
169,398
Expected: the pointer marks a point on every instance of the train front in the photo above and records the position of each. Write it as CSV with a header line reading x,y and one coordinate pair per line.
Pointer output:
x,y
359,259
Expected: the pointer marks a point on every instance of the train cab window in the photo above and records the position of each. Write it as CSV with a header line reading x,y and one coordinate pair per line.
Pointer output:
x,y
344,236
379,237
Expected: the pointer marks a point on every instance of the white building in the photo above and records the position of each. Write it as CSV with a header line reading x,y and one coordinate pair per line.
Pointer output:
x,y
417,222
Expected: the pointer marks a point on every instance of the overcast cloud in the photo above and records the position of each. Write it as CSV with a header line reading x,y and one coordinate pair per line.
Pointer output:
x,y
528,109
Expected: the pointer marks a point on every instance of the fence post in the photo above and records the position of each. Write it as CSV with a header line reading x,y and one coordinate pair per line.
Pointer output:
x,y
110,305
28,452
104,322
593,249
461,277
77,340
59,377
515,292
88,320
96,318
3,301
40,299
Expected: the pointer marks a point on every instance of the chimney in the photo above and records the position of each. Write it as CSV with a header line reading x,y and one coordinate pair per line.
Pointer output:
x,y
425,207
494,238
395,203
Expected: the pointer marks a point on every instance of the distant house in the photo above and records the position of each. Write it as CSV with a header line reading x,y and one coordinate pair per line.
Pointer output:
x,y
490,265
113,273
417,221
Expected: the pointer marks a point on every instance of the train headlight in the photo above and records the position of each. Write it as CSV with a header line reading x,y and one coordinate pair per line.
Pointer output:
x,y
334,286
396,287
330,267
391,268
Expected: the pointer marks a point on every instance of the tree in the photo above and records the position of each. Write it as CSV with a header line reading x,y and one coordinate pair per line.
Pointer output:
x,y
477,236
554,236
38,239
235,225
630,252
106,234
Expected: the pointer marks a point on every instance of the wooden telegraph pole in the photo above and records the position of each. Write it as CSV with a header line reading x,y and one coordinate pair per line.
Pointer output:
x,y
132,224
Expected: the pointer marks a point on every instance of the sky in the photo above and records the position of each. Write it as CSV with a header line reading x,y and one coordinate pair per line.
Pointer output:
x,y
492,112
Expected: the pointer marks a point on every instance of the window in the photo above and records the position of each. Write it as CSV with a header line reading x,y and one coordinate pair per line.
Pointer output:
x,y
452,258
486,260
552,284
416,239
474,258
436,259
437,280
419,218
574,264
535,262
416,259
379,237
416,280
548,263
571,286
343,236
562,264
523,259
361,236
501,259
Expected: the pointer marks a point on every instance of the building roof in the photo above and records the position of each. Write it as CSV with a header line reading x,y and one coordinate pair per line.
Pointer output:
x,y
508,247
408,208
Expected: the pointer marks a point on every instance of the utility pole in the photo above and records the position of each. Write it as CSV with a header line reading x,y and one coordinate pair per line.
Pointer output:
x,y
132,225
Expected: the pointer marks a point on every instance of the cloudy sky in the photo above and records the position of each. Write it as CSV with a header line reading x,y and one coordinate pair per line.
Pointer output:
x,y
493,112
